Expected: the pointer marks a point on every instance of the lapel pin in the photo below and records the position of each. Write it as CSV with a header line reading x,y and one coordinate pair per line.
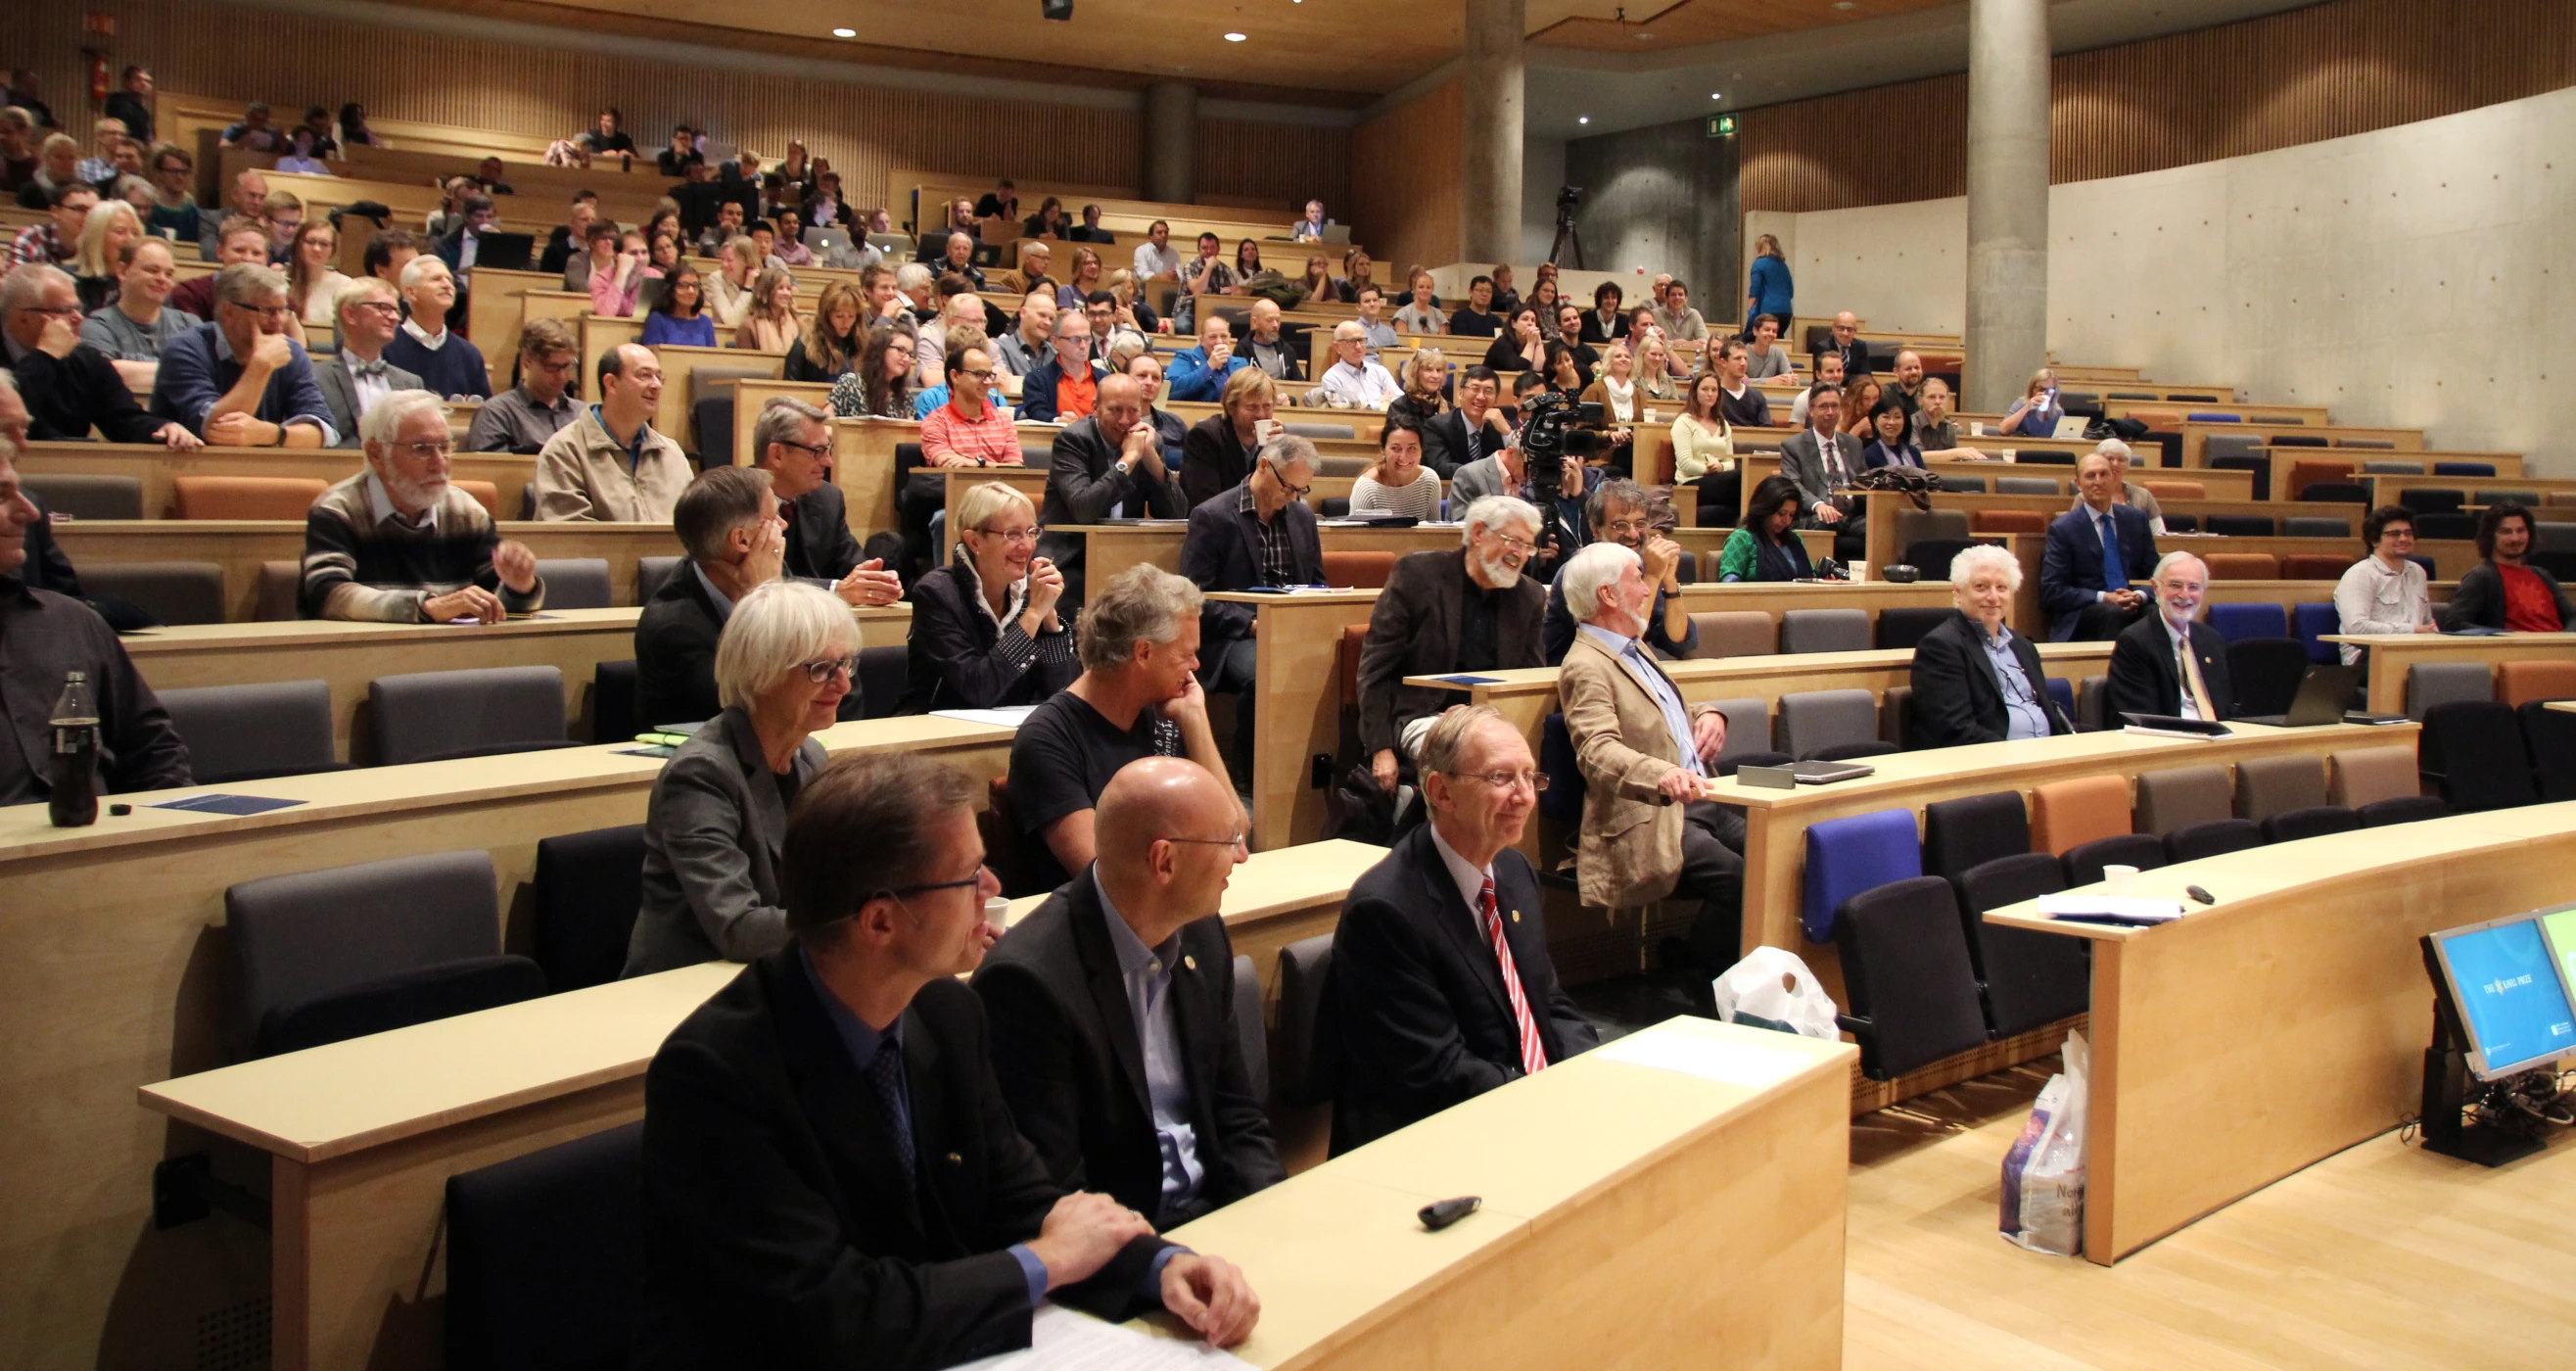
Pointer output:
x,y
955,1160
1189,961
1516,916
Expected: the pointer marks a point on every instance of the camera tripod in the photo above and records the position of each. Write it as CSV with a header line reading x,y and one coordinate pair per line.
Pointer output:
x,y
1566,233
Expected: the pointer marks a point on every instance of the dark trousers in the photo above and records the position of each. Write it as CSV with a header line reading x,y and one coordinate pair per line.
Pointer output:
x,y
1713,870
2102,621
1235,674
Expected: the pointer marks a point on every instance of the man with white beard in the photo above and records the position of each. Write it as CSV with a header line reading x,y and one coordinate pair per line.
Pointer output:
x,y
397,543
1444,612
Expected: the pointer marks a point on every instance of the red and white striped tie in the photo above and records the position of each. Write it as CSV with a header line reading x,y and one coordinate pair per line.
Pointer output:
x,y
1533,1056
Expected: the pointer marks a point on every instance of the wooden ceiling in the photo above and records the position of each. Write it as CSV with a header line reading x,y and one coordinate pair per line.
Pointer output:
x,y
1654,24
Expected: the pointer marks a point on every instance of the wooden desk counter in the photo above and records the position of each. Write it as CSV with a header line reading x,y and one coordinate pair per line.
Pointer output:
x,y
362,1135
1776,598
1297,688
2288,1021
158,468
114,971
1112,548
347,656
2392,654
2195,440
1609,1186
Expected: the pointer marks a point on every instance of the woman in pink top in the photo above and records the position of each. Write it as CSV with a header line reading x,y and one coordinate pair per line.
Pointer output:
x,y
614,292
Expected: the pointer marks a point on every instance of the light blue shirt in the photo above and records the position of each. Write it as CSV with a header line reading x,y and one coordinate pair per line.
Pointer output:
x,y
1147,972
1676,715
2023,715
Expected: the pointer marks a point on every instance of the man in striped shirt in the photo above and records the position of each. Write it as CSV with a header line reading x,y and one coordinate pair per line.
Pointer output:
x,y
397,543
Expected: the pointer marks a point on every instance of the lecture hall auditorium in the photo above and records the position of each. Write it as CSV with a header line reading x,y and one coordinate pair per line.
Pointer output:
x,y
1447,683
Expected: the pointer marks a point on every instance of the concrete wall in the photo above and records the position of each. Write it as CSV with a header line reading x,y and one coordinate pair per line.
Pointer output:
x,y
1542,172
2409,276
1660,199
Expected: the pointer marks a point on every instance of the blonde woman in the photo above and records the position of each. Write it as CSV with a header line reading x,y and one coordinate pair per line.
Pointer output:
x,y
1654,370
111,228
2037,412
771,323
830,349
1617,390
729,293
313,281
1081,281
1133,312
1769,289
985,631
1425,378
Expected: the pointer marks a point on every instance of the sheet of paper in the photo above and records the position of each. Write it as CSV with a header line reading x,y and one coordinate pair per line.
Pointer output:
x,y
236,805
1734,1063
1062,1340
1008,716
2116,906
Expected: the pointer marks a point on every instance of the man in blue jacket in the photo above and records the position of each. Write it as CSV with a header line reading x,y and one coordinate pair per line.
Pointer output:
x,y
240,381
1199,373
2096,552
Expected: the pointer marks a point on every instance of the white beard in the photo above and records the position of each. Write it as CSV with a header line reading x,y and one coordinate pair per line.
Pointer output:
x,y
1503,574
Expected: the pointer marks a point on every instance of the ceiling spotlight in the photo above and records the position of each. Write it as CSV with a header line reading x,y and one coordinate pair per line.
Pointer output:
x,y
1234,38
1056,9
1583,119
845,33
1717,95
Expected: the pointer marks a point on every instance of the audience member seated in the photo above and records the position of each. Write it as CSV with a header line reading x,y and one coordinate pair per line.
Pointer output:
x,y
934,343
1355,379
729,294
1036,260
1649,833
1680,323
1217,454
1108,466
1891,437
56,241
1129,965
679,315
107,231
1425,379
1704,433
606,139
240,381
397,543
1138,696
2096,553
388,253
1905,385
1764,357
793,443
2036,413
1265,349
1472,432
608,465
830,349
446,361
51,635
1397,482
1938,435
958,259
1445,612
1620,389
1206,274
1171,431
968,429
2169,663
281,212
1201,373
528,415
1975,680
69,386
675,160
2504,590
1258,532
1618,511
1845,345
769,321
1065,385
878,382
568,245
1156,258
787,1222
1375,330
1519,345
1765,546
1828,376
2126,491
1821,461
174,214
727,521
1018,352
726,227
2384,592
1418,1025
131,332
1089,230
131,104
985,629
788,656
1421,312
357,376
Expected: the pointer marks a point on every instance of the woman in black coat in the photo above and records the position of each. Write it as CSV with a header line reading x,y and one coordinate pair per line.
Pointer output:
x,y
985,632
1959,695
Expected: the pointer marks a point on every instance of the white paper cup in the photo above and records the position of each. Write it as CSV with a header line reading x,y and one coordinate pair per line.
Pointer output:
x,y
2121,881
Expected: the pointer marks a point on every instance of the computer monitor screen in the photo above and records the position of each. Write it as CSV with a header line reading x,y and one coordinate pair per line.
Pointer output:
x,y
2509,995
2560,927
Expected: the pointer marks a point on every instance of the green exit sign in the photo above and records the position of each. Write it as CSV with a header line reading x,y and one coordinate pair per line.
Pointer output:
x,y
1721,126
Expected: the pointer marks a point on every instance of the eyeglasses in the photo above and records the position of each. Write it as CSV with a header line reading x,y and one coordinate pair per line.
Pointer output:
x,y
1523,546
1502,780
263,311
387,308
818,450
1013,535
985,376
903,891
429,450
1238,840
55,311
1619,527
822,671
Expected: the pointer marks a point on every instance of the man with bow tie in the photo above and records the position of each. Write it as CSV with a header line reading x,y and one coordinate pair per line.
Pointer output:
x,y
358,376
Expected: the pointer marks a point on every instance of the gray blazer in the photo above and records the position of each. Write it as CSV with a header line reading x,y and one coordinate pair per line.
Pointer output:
x,y
712,834
1475,481
1804,464
340,391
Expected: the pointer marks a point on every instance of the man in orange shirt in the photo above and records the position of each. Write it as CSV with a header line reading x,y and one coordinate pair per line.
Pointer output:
x,y
1066,385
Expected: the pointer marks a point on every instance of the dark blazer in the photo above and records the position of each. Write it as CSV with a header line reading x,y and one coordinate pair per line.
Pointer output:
x,y
1444,440
1037,388
2478,602
2070,569
65,397
46,567
713,831
1082,484
778,1229
820,546
340,391
1213,460
1417,998
1223,552
1071,1068
958,659
1959,699
1855,358
1413,631
1802,460
675,653
2143,680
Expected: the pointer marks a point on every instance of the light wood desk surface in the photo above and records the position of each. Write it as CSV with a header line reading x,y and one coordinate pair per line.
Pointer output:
x,y
115,971
1112,548
1709,595
2287,1022
2195,441
158,468
2392,654
1608,1187
1297,689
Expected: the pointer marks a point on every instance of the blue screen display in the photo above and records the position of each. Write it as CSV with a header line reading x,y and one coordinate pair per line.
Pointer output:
x,y
2510,993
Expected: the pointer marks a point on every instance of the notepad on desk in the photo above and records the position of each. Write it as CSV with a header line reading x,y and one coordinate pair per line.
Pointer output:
x,y
2122,911
1005,716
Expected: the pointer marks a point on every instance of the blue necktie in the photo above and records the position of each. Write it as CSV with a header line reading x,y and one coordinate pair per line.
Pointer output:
x,y
885,1077
2115,568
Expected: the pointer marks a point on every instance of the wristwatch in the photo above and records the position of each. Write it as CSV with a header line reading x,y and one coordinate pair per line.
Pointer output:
x,y
1126,466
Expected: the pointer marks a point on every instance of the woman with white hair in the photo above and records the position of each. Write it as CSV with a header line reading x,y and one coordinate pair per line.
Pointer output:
x,y
111,228
718,815
1975,680
985,631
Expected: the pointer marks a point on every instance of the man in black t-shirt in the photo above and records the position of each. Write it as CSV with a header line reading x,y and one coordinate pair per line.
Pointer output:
x,y
606,138
1138,696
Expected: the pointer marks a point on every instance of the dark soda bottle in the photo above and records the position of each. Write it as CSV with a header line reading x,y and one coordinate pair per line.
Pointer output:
x,y
72,799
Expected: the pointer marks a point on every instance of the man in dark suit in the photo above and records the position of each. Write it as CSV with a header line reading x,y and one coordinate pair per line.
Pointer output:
x,y
68,386
793,441
1427,1009
1108,466
1845,343
1822,461
1471,432
2169,662
2096,554
1441,612
356,376
1114,1035
1975,680
831,1175
1260,533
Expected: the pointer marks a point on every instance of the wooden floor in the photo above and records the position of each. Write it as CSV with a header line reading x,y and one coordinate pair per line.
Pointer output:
x,y
2384,1256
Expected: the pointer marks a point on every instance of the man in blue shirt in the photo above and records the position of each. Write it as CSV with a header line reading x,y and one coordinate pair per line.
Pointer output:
x,y
1199,373
240,381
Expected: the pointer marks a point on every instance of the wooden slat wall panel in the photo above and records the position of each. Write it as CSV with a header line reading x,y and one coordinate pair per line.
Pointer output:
x,y
867,131
2326,71
1405,183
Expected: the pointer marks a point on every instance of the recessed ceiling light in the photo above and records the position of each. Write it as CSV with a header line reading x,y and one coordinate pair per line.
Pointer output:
x,y
1583,119
1234,38
1717,95
845,33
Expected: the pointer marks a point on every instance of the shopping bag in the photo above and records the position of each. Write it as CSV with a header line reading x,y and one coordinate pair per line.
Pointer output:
x,y
2043,1204
1772,985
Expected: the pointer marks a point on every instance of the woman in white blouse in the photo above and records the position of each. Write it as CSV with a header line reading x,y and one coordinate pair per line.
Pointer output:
x,y
2384,592
313,281
1398,482
729,294
1703,442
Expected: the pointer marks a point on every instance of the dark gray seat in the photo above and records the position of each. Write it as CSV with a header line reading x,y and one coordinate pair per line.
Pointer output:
x,y
884,673
588,888
2028,485
246,732
2439,683
2308,526
1248,1027
172,592
1813,720
2030,978
86,497
1302,1061
1824,630
545,1265
2215,839
651,573
434,715
576,582
1907,973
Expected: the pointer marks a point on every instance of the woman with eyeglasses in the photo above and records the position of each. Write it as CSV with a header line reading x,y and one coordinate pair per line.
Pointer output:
x,y
881,383
313,279
718,815
985,631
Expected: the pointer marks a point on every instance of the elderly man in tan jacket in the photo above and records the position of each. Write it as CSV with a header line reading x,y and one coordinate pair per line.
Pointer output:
x,y
1648,833
608,465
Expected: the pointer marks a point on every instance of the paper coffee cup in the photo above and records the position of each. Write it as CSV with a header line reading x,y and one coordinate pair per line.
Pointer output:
x,y
2121,881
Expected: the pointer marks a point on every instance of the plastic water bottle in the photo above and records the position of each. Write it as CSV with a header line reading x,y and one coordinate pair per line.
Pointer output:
x,y
72,801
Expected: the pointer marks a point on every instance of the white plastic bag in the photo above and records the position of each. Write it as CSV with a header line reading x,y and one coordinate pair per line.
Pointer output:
x,y
2043,1206
1771,983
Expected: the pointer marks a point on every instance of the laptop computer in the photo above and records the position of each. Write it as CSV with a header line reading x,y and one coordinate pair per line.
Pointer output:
x,y
505,251
2070,426
2324,694
2173,725
826,241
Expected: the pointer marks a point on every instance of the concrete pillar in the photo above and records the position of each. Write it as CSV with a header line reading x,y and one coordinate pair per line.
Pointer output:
x,y
1489,142
2007,335
1171,142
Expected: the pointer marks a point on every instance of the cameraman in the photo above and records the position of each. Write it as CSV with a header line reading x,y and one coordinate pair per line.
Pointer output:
x,y
1621,512
1563,529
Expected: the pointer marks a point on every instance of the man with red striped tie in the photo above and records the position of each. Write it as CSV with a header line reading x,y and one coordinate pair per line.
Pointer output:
x,y
1441,984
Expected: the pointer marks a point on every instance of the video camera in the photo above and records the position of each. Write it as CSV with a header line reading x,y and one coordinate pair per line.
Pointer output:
x,y
1550,433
